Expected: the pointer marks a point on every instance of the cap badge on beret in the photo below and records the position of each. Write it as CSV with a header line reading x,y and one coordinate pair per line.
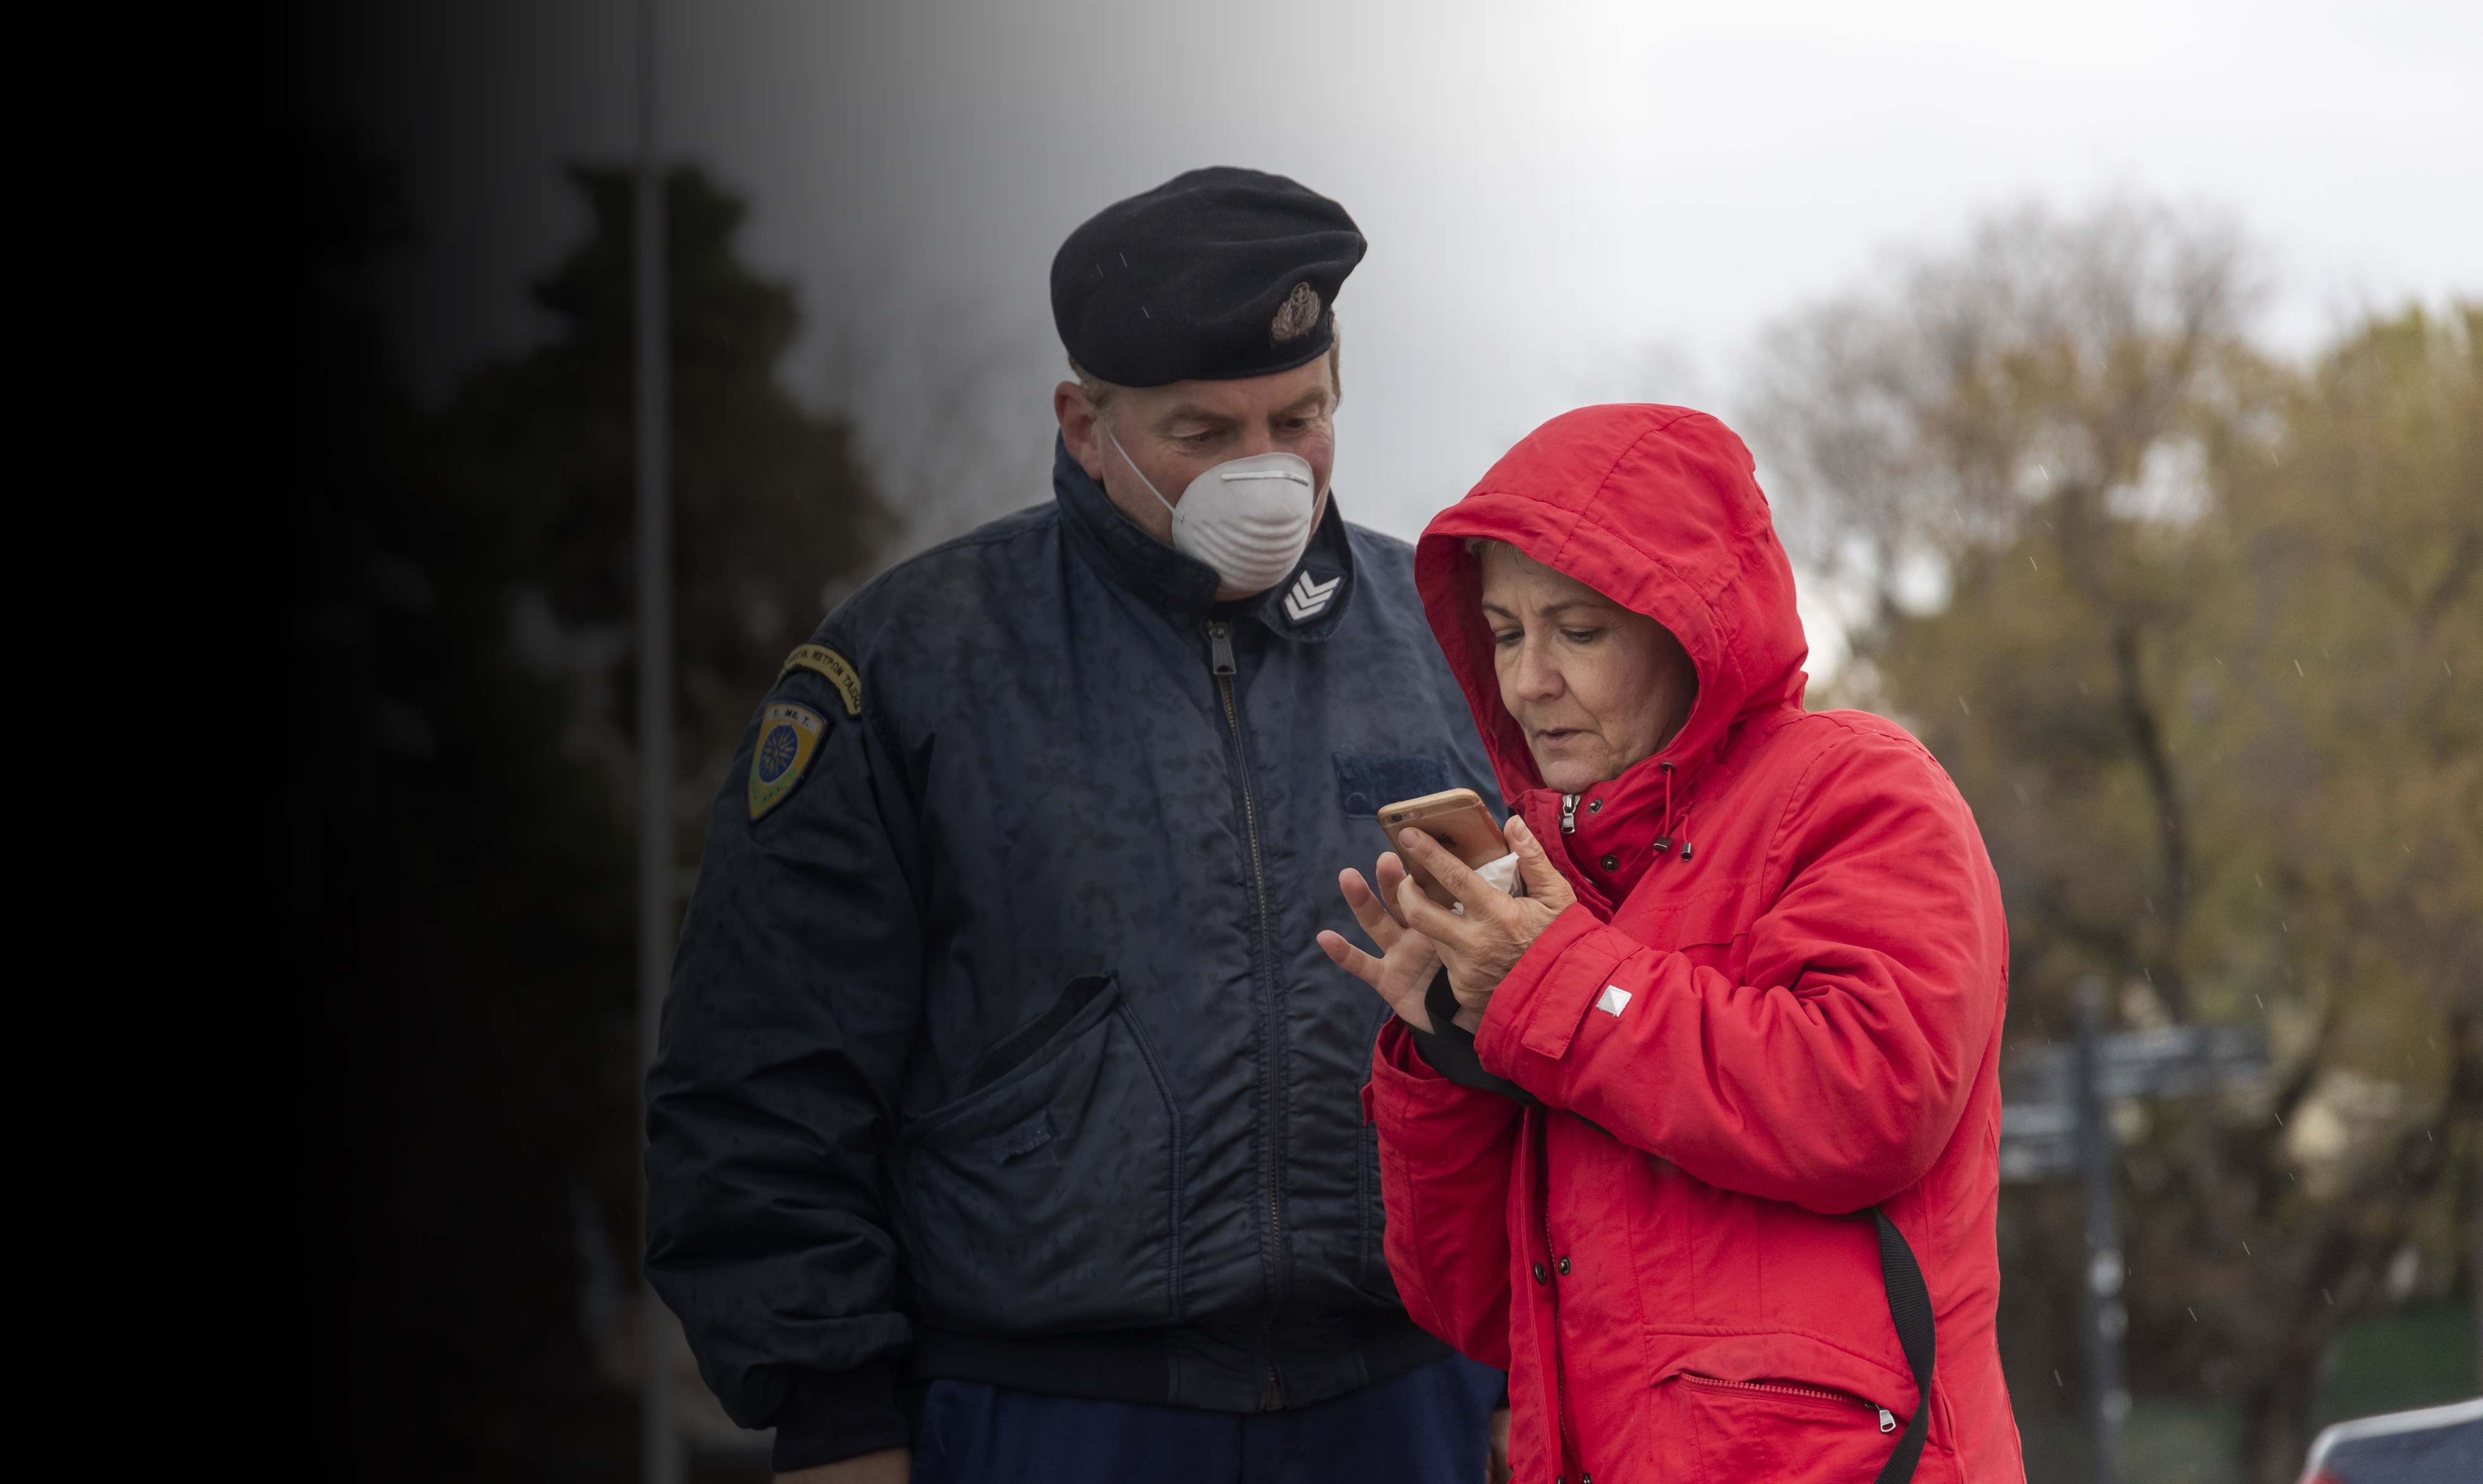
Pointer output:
x,y
1297,316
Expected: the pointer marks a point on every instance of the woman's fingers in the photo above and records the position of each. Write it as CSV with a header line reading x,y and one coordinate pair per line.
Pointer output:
x,y
1392,875
1420,913
1352,960
1368,909
1544,879
1476,894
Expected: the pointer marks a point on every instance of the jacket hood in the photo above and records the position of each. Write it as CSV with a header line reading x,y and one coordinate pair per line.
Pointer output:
x,y
1656,508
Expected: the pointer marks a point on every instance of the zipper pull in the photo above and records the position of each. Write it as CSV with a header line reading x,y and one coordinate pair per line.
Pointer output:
x,y
1568,813
1887,1421
1219,646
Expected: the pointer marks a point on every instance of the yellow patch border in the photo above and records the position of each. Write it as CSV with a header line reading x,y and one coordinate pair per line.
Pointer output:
x,y
820,660
808,726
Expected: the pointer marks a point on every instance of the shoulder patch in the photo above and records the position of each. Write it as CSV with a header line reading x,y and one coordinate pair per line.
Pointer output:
x,y
819,659
789,738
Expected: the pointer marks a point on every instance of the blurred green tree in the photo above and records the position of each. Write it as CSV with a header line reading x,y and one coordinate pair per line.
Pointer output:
x,y
460,853
773,510
2195,635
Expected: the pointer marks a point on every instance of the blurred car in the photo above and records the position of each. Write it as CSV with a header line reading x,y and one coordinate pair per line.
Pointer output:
x,y
2433,1445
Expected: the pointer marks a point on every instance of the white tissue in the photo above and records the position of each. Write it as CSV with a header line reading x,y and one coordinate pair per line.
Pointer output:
x,y
1501,875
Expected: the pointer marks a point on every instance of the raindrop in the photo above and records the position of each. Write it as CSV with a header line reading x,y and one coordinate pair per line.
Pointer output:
x,y
2329,1297
2030,561
2057,1381
2254,999
1962,706
2194,1313
2246,1252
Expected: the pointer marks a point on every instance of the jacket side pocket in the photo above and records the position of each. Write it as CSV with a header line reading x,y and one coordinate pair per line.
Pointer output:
x,y
1046,1197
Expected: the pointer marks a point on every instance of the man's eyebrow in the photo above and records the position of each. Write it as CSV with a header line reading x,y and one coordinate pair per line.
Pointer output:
x,y
1313,397
1191,409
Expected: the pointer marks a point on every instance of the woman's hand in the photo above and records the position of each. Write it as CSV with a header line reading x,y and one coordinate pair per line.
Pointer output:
x,y
1481,946
1408,962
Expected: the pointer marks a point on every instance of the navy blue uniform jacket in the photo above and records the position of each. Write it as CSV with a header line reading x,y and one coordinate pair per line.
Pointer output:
x,y
1001,1048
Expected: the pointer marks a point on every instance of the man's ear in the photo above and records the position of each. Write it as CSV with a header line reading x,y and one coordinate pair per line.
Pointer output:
x,y
1080,429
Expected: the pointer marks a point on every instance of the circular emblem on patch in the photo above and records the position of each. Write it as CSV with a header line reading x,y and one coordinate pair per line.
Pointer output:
x,y
1297,316
777,752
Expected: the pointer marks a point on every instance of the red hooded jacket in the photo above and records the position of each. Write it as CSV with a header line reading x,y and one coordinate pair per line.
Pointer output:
x,y
1812,962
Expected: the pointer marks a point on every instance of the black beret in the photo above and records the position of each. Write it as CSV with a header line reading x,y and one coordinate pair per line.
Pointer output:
x,y
1215,275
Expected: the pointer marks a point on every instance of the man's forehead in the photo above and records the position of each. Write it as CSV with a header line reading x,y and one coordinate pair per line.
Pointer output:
x,y
1234,401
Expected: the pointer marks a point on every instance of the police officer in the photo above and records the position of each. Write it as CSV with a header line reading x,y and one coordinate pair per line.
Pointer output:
x,y
1007,1110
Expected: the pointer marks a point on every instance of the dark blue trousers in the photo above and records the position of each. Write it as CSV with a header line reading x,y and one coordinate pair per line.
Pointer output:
x,y
1427,1426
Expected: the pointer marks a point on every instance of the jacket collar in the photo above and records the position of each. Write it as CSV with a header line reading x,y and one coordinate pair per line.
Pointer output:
x,y
1306,606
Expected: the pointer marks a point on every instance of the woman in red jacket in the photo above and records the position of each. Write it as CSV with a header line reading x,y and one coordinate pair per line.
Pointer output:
x,y
1728,1071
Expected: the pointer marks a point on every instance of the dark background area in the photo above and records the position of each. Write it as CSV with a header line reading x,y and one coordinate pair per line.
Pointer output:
x,y
403,1035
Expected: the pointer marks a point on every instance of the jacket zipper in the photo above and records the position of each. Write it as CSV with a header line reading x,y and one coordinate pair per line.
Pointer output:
x,y
1568,813
1220,640
1887,1418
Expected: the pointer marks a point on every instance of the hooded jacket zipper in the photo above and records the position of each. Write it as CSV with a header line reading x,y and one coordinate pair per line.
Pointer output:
x,y
1219,642
1568,813
1887,1418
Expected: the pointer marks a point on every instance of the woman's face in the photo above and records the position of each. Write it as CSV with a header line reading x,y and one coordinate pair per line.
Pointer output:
x,y
1594,686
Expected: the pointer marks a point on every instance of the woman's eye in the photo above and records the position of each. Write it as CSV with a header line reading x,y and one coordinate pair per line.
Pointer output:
x,y
1505,637
1580,635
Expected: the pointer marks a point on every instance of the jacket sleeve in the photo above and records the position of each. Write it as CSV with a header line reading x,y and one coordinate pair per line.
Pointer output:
x,y
1836,1069
1445,1153
795,995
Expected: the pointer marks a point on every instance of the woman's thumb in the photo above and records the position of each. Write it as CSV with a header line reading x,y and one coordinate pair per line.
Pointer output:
x,y
1542,878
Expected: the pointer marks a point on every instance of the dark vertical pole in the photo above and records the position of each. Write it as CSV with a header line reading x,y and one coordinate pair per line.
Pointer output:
x,y
2106,1319
658,923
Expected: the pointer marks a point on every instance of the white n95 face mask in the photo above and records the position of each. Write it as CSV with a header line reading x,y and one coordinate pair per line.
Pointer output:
x,y
1250,518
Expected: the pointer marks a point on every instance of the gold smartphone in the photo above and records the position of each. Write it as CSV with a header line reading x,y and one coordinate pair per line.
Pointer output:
x,y
1455,818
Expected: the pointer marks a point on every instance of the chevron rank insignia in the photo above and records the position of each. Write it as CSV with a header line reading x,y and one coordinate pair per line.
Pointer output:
x,y
1308,599
789,738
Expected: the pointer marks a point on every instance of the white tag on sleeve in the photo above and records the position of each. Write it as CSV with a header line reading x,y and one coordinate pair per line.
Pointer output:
x,y
1613,1000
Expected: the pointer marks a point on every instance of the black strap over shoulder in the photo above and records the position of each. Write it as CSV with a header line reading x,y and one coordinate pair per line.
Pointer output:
x,y
1450,1048
1910,1305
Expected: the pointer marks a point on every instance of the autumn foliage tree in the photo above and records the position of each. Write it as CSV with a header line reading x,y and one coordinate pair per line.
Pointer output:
x,y
2195,633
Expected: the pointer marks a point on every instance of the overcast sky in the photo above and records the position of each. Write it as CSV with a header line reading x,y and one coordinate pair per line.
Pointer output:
x,y
1565,202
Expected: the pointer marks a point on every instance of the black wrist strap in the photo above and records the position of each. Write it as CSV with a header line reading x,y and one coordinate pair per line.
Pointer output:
x,y
1450,1048
1910,1305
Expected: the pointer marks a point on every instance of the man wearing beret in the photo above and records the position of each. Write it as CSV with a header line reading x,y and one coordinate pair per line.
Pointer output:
x,y
1008,1119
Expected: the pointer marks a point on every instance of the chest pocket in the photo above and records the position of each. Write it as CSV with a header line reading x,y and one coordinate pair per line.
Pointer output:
x,y
1365,781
